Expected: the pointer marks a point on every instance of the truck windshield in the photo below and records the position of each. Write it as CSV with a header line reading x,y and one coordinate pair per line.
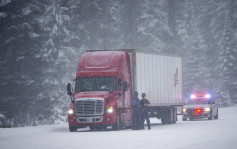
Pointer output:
x,y
95,84
198,101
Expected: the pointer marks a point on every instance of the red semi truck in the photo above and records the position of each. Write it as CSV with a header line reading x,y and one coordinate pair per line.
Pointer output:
x,y
105,82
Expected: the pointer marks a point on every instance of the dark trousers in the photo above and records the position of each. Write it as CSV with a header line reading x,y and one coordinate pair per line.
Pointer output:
x,y
145,116
136,119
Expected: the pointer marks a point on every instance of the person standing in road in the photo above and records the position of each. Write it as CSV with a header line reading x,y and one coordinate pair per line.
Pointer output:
x,y
144,111
136,112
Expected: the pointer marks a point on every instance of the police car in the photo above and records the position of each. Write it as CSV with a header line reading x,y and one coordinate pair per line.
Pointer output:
x,y
200,106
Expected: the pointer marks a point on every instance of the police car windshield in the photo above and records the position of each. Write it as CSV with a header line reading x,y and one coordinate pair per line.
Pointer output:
x,y
95,84
198,101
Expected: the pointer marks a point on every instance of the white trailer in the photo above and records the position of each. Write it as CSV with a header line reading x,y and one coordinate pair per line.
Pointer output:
x,y
160,77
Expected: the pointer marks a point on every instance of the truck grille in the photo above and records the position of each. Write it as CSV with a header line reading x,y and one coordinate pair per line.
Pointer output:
x,y
89,107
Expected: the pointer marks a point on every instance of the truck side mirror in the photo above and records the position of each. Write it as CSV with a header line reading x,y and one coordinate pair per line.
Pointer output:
x,y
69,89
125,86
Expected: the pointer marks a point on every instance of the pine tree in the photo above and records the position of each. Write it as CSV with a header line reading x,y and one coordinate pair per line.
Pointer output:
x,y
153,30
194,50
19,52
224,41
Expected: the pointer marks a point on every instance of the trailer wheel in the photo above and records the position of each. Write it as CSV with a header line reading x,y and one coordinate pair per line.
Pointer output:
x,y
72,129
117,125
168,116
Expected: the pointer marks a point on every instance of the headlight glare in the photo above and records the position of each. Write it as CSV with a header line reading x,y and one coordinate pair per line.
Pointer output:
x,y
70,111
110,110
184,110
207,109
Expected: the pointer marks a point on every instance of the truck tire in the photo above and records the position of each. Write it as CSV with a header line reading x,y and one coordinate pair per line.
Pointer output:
x,y
167,116
216,117
72,129
174,115
117,125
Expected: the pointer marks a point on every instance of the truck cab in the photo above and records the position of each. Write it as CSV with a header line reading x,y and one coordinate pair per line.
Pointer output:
x,y
200,106
102,93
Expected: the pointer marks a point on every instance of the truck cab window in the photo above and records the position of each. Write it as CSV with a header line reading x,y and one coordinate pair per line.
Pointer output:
x,y
95,84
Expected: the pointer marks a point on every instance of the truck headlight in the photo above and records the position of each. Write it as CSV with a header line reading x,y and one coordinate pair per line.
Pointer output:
x,y
70,111
110,110
184,110
207,109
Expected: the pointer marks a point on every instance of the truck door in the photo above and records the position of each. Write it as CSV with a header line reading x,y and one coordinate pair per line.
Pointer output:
x,y
121,95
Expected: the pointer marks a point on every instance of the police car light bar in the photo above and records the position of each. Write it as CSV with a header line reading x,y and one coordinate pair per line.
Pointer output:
x,y
207,95
193,96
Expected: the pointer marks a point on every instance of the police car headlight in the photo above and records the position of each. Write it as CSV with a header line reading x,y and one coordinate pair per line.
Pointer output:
x,y
110,110
184,110
70,111
207,109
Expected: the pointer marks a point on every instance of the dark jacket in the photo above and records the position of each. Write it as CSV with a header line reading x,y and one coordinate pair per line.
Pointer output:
x,y
136,103
144,109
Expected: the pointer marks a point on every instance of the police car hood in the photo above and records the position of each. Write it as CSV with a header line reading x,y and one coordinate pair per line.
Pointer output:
x,y
197,106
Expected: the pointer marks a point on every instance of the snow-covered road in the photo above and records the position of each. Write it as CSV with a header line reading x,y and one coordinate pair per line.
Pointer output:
x,y
198,134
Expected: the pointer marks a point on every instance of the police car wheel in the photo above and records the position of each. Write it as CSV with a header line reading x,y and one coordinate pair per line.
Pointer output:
x,y
216,117
184,119
210,118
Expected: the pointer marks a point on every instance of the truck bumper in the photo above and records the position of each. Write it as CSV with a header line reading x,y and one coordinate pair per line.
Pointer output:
x,y
80,122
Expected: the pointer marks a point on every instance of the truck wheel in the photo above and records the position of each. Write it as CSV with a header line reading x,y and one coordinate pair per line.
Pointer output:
x,y
72,129
174,115
164,117
216,117
184,119
117,126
